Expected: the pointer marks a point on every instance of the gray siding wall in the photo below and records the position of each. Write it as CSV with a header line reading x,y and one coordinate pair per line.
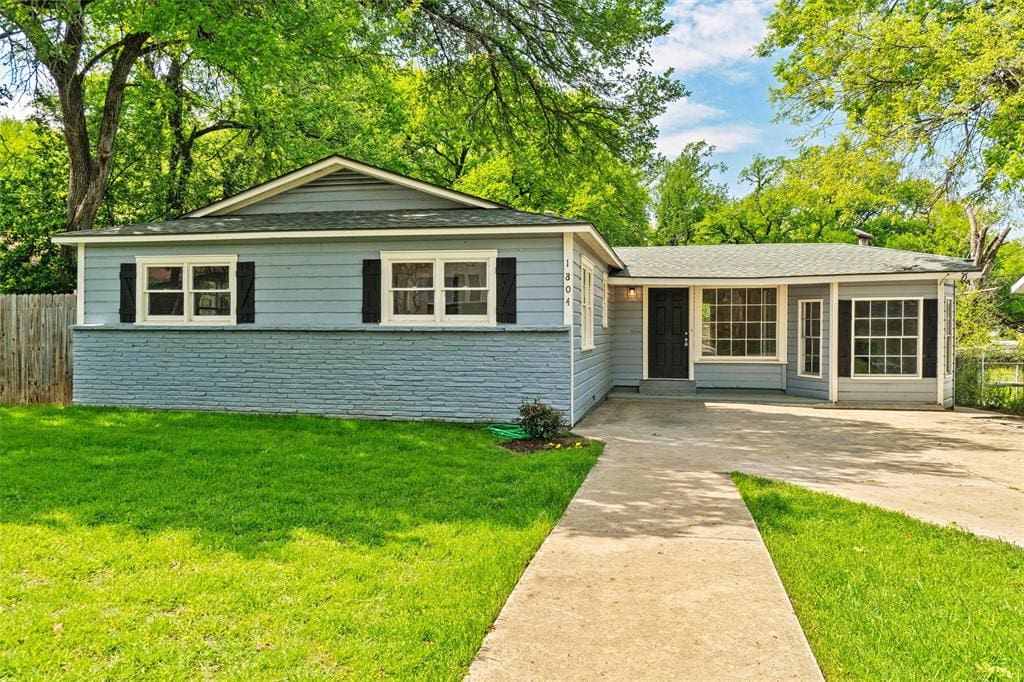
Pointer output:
x,y
739,375
346,190
459,375
627,338
888,390
317,284
796,384
593,368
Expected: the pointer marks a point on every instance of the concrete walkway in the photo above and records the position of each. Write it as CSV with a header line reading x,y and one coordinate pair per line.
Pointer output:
x,y
654,572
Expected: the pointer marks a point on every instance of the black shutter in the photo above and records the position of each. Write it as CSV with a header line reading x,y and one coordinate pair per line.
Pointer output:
x,y
127,309
371,290
506,270
845,333
245,288
930,369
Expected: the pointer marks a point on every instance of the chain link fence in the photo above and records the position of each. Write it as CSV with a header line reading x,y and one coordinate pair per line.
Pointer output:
x,y
991,378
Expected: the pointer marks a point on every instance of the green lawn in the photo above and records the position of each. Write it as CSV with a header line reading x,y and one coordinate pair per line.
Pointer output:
x,y
187,545
884,596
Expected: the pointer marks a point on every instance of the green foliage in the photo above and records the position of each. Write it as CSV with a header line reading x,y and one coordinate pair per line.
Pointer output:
x,y
33,184
1009,269
541,421
991,377
976,317
687,194
936,79
884,596
182,545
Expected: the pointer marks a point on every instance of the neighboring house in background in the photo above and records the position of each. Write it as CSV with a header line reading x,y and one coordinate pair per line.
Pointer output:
x,y
345,289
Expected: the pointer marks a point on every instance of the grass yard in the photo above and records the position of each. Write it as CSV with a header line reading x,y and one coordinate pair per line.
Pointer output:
x,y
183,545
884,596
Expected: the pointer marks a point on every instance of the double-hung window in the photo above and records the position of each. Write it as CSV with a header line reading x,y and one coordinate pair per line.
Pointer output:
x,y
887,337
442,287
193,290
810,337
586,304
739,322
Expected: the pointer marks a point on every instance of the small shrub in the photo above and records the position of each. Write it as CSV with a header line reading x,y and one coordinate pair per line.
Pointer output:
x,y
540,420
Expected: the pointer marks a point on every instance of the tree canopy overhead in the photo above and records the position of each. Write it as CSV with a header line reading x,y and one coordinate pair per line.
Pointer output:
x,y
283,70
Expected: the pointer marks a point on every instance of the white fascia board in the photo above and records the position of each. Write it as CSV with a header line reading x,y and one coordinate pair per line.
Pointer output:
x,y
305,175
771,281
1017,287
586,230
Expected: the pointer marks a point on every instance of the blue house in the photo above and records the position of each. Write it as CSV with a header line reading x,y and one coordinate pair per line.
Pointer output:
x,y
345,289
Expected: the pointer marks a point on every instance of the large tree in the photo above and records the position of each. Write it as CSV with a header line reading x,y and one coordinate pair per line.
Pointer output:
x,y
686,193
935,83
582,67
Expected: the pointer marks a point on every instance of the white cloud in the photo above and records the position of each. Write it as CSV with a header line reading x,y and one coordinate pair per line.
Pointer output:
x,y
711,33
726,137
20,107
686,112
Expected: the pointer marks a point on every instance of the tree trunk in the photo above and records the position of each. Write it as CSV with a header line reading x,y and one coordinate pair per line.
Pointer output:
x,y
982,249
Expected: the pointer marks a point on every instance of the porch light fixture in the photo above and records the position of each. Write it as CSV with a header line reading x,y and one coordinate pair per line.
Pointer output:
x,y
631,293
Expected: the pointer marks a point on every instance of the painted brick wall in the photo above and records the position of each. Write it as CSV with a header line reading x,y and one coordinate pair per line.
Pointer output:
x,y
457,375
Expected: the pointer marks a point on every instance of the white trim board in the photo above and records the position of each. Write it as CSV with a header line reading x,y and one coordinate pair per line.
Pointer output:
x,y
774,281
588,234
319,169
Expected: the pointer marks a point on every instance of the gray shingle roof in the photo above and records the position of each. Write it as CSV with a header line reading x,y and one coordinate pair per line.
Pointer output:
x,y
728,261
336,220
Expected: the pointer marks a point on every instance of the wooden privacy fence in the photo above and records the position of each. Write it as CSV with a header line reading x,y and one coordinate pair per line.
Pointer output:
x,y
35,347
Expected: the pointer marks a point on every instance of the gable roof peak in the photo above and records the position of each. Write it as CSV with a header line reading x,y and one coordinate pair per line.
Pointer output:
x,y
326,166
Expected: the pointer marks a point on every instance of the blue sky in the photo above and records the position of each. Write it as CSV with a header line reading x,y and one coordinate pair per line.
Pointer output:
x,y
710,49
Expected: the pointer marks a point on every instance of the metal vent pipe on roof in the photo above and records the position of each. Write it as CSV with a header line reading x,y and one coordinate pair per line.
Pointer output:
x,y
863,238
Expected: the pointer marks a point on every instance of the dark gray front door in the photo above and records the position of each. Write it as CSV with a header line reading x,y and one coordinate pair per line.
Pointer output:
x,y
668,334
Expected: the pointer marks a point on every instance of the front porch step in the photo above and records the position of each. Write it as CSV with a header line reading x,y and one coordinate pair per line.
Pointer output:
x,y
667,387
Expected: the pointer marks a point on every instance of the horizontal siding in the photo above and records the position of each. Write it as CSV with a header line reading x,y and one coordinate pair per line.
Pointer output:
x,y
593,368
796,384
739,375
446,375
888,390
346,190
320,283
628,338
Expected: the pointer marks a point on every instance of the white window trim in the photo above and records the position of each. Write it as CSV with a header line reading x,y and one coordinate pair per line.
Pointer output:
x,y
605,302
142,315
586,304
920,340
438,258
949,336
800,337
781,296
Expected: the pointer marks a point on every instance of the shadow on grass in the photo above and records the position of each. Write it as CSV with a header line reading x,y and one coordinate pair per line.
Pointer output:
x,y
246,483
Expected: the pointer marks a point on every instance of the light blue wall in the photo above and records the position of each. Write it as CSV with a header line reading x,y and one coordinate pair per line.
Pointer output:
x,y
627,338
739,375
592,368
454,374
807,386
306,284
889,390
347,190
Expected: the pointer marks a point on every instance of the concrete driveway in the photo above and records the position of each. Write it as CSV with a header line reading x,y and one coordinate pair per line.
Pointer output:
x,y
964,467
657,571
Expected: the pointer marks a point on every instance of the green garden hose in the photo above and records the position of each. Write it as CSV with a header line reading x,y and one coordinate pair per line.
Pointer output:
x,y
508,431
